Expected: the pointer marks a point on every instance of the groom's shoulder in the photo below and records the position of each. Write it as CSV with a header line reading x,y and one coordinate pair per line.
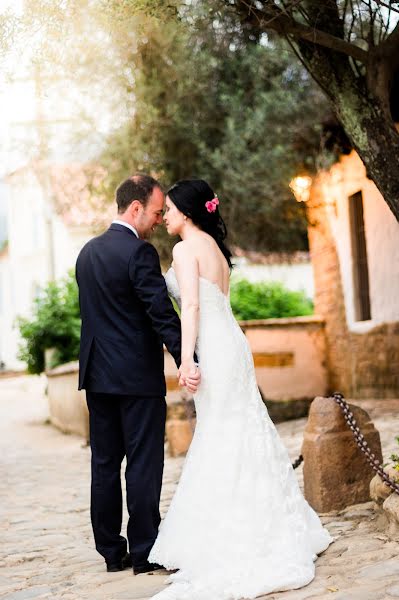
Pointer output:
x,y
144,249
128,245
143,257
112,237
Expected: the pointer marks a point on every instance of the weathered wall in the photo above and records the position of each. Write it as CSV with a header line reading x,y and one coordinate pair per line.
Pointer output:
x,y
363,356
67,405
289,356
37,239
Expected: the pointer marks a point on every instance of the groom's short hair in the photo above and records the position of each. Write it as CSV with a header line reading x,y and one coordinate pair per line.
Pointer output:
x,y
138,187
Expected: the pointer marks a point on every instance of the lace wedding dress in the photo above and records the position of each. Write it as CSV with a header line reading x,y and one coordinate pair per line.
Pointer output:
x,y
238,525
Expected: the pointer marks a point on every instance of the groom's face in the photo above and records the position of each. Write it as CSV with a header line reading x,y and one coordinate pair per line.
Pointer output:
x,y
150,216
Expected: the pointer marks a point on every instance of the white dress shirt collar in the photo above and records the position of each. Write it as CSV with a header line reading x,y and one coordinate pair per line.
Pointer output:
x,y
117,222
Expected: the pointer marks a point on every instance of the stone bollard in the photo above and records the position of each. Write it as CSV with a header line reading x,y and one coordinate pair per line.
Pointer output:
x,y
379,491
335,471
180,424
179,435
391,510
386,503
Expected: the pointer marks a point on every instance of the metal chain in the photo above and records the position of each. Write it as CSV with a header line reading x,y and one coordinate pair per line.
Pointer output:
x,y
297,462
357,434
360,441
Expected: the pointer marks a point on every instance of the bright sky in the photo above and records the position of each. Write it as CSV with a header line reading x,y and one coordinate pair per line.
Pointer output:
x,y
61,106
16,100
19,109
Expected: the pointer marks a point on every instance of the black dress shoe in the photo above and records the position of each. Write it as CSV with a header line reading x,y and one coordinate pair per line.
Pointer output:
x,y
124,563
146,568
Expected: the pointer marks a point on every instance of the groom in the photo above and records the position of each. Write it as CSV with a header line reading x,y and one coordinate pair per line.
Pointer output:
x,y
126,317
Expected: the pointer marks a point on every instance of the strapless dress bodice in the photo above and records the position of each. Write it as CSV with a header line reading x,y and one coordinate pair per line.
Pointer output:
x,y
211,297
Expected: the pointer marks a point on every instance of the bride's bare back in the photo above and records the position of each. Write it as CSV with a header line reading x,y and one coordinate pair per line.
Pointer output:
x,y
200,255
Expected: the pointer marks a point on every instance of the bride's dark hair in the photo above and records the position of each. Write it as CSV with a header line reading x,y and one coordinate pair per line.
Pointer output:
x,y
190,197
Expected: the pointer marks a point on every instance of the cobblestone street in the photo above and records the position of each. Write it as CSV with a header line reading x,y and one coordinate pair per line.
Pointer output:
x,y
46,540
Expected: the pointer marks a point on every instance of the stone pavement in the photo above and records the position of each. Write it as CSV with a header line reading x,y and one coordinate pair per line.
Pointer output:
x,y
46,547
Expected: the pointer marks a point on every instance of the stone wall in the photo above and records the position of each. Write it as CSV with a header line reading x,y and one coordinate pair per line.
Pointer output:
x,y
360,364
289,356
290,363
67,405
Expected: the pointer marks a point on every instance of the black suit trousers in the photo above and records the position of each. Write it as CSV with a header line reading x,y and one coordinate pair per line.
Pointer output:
x,y
131,426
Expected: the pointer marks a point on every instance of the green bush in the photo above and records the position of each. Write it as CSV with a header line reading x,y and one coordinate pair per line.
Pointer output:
x,y
55,323
395,457
267,301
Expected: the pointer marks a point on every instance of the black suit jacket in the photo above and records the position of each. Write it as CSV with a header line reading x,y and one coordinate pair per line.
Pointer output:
x,y
127,315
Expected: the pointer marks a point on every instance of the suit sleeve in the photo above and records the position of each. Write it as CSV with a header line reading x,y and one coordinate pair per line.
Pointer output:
x,y
150,287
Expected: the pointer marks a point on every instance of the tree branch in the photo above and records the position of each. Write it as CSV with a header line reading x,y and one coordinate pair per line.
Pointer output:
x,y
389,5
390,46
274,18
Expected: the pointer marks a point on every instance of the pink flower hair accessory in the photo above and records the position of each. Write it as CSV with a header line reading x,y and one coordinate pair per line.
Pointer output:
x,y
211,205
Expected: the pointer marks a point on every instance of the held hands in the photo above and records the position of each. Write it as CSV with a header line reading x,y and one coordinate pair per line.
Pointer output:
x,y
189,376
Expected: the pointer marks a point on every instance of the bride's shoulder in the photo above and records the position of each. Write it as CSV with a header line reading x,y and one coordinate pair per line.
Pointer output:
x,y
184,257
182,249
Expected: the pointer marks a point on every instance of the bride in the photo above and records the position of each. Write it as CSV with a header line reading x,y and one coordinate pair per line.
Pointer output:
x,y
238,525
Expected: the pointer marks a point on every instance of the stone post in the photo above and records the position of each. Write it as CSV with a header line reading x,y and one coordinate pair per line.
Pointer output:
x,y
386,503
336,473
179,435
180,425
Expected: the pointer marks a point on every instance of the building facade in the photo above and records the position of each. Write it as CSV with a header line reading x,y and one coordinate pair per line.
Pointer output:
x,y
38,244
354,244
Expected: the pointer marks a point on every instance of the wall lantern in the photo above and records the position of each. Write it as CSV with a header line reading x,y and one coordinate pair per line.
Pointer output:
x,y
300,187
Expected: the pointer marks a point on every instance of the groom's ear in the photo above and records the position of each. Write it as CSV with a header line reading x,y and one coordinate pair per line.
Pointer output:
x,y
135,207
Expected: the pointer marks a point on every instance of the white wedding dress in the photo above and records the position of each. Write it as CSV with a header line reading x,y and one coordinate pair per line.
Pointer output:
x,y
238,525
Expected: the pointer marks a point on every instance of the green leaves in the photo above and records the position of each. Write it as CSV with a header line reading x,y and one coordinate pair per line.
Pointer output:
x,y
266,301
186,89
55,323
395,457
209,102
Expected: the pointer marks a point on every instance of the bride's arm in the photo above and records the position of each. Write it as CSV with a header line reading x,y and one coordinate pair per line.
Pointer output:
x,y
186,269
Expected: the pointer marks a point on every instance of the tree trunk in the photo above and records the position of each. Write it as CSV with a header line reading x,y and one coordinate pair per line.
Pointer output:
x,y
364,116
360,95
376,140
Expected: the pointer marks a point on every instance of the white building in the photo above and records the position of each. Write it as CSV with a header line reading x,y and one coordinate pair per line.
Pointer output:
x,y
41,233
354,243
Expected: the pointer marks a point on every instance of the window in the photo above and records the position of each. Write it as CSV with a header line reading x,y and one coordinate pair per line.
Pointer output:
x,y
359,259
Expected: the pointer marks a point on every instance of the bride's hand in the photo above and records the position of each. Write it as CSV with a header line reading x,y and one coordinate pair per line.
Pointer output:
x,y
189,376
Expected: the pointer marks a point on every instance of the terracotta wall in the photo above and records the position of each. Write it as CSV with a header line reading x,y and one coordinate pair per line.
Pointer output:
x,y
67,405
362,357
289,356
